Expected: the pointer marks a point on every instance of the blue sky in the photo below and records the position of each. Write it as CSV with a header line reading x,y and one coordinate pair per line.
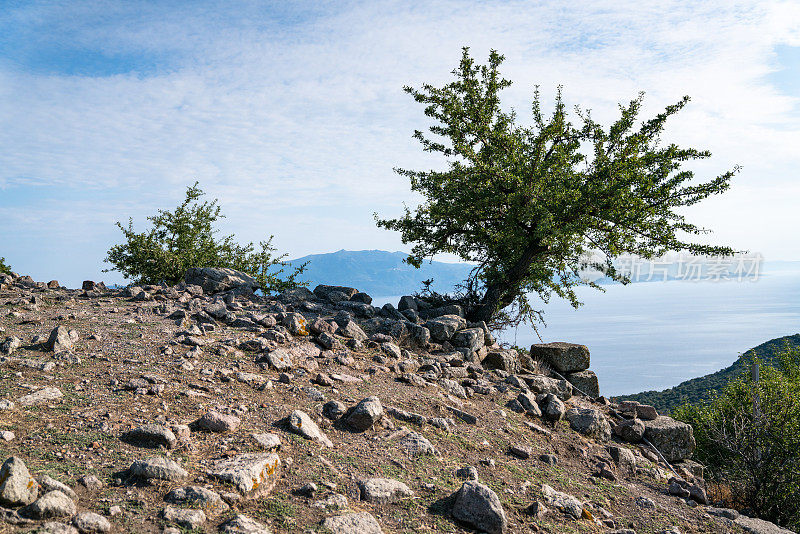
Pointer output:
x,y
293,115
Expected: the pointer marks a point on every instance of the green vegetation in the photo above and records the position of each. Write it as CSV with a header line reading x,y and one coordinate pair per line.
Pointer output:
x,y
702,389
4,267
186,238
748,436
528,205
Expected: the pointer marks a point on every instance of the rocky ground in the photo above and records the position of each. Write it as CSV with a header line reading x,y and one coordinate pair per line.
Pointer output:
x,y
205,408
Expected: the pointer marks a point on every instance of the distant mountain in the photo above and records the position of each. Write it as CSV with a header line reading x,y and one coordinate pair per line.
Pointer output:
x,y
698,390
379,273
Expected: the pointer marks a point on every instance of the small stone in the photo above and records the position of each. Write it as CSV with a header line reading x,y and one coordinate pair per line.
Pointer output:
x,y
49,484
467,473
589,422
61,339
40,397
354,523
333,410
199,497
562,502
300,423
383,490
52,527
630,430
90,482
268,441
185,517
253,474
214,421
158,468
520,451
241,524
549,459
91,523
644,502
153,436
335,501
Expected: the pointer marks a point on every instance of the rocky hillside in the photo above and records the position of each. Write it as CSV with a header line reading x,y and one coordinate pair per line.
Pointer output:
x,y
205,408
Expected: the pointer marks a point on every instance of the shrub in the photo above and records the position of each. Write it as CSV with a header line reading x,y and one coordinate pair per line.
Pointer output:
x,y
186,238
4,267
749,438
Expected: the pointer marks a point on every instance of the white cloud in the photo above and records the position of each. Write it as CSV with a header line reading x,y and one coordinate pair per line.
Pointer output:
x,y
296,124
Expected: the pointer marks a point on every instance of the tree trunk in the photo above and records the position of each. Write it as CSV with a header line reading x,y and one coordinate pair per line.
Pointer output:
x,y
503,292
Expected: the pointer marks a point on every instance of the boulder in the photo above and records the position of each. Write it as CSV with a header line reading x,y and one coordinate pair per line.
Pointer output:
x,y
91,523
17,486
585,381
252,474
214,280
563,502
214,421
673,438
471,338
198,497
630,430
504,360
589,422
623,457
544,384
185,517
407,303
61,339
324,291
444,327
480,507
563,357
552,408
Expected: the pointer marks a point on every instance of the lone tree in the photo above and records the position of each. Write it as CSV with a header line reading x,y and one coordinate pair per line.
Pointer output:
x,y
4,268
529,204
187,238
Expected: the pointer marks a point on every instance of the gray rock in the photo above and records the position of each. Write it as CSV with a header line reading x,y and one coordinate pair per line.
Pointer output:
x,y
355,523
333,410
645,502
215,280
49,484
552,408
563,502
646,412
415,444
444,327
268,441
586,381
17,486
300,423
185,517
61,339
407,303
51,504
383,490
241,524
214,421
153,436
673,438
480,507
623,457
158,468
361,297
280,359
504,360
322,291
589,422
359,309
253,474
471,338
630,430
467,472
563,357
53,527
10,344
365,414
91,523
335,501
391,350
529,404
419,335
545,384
351,330
198,497
759,526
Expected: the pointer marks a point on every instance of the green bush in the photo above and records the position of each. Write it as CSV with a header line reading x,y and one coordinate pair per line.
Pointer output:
x,y
748,436
4,267
186,238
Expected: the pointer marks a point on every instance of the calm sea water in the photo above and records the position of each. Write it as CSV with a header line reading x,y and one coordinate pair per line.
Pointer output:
x,y
655,335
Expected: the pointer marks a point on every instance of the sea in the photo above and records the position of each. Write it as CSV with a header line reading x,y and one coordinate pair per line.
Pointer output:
x,y
654,335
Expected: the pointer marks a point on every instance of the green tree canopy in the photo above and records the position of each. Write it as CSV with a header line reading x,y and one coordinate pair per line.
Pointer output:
x,y
529,204
4,267
186,237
